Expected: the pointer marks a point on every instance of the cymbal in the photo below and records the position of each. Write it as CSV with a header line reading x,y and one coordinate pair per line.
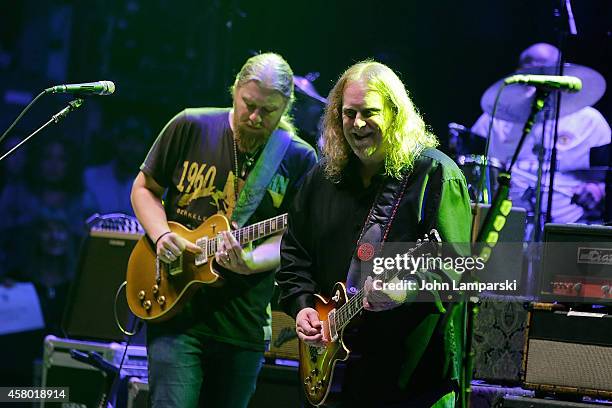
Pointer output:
x,y
515,100
304,86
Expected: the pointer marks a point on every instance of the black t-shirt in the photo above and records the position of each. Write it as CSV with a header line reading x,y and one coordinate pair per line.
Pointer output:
x,y
193,158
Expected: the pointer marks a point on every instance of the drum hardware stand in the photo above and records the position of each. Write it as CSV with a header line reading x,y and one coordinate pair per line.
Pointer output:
x,y
566,6
539,150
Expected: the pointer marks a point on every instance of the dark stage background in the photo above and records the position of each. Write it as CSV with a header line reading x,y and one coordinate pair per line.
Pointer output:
x,y
166,55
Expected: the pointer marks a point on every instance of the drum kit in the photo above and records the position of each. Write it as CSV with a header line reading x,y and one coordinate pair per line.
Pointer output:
x,y
514,105
467,147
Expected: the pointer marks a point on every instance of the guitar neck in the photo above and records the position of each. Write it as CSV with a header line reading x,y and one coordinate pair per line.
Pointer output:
x,y
251,233
350,309
261,229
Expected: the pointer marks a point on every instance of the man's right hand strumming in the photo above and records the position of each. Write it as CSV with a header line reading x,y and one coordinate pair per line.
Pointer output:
x,y
309,328
171,245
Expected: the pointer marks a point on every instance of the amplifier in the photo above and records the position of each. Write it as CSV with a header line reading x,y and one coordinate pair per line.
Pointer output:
x,y
101,270
577,263
513,401
86,383
568,352
137,393
284,341
277,386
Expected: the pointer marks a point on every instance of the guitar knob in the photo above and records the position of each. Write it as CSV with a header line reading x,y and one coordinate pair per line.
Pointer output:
x,y
155,289
312,390
319,384
141,295
161,300
313,372
307,380
147,304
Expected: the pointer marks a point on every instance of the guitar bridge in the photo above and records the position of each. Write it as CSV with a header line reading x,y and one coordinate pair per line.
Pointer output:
x,y
202,258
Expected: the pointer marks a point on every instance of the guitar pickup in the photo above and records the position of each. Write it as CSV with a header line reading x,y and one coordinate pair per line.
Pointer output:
x,y
176,267
331,325
202,258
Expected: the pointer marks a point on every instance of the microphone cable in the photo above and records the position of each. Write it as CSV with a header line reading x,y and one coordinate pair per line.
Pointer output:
x,y
6,132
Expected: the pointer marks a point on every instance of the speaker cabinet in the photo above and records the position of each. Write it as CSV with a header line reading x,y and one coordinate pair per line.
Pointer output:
x,y
86,384
284,342
277,386
102,267
568,352
511,401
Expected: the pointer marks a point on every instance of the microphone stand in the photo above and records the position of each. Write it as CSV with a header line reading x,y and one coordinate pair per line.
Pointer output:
x,y
72,105
562,42
540,149
499,207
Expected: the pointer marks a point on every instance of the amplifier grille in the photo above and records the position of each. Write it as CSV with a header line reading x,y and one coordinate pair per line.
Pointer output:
x,y
572,365
284,342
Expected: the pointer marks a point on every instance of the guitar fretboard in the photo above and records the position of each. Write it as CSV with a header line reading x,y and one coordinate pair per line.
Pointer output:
x,y
251,233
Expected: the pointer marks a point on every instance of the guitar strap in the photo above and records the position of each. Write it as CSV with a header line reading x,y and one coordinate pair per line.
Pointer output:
x,y
375,230
260,177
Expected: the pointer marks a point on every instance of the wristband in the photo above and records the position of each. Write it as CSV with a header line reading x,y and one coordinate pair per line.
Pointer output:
x,y
160,237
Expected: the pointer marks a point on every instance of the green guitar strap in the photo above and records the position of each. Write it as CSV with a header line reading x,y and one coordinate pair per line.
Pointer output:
x,y
260,177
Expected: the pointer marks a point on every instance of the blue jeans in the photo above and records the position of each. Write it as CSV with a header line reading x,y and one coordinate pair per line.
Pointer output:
x,y
187,372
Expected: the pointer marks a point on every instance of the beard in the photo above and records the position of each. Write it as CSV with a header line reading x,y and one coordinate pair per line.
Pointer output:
x,y
248,141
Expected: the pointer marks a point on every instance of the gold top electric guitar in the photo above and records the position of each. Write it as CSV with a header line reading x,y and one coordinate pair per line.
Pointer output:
x,y
156,291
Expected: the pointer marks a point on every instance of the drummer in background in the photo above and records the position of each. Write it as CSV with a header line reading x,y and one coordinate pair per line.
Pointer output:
x,y
574,200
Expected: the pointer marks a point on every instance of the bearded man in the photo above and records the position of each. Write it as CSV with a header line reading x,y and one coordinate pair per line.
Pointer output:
x,y
211,353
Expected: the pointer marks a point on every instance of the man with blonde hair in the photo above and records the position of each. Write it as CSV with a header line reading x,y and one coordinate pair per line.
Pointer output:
x,y
211,353
380,180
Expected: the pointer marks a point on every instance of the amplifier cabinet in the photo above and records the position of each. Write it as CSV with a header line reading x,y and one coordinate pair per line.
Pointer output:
x,y
568,352
137,393
577,263
86,383
101,271
513,401
277,386
284,341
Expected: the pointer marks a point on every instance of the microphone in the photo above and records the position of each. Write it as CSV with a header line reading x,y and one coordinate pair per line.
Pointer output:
x,y
551,82
89,88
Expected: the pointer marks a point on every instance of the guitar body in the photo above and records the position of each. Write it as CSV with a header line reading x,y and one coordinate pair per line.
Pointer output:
x,y
317,364
156,297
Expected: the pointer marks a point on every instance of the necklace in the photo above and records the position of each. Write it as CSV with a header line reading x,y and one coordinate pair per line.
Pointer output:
x,y
235,169
246,166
